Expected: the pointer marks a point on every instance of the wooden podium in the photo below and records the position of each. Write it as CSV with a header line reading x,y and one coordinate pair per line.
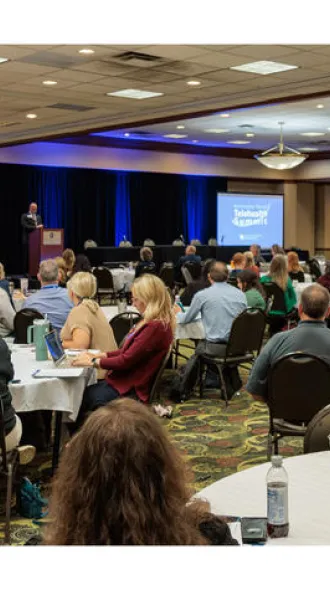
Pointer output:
x,y
44,243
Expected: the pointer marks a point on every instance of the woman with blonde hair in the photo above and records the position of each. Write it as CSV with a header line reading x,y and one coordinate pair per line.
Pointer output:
x,y
132,368
278,273
296,272
69,258
249,262
122,482
86,325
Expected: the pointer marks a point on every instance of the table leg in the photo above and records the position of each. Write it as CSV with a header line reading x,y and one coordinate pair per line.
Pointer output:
x,y
57,440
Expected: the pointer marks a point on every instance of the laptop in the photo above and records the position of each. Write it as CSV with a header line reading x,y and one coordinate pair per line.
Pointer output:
x,y
56,350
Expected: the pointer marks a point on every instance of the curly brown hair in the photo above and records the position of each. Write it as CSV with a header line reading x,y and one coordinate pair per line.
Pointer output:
x,y
122,482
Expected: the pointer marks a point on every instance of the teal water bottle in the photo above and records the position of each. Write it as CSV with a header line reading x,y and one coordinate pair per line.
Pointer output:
x,y
36,335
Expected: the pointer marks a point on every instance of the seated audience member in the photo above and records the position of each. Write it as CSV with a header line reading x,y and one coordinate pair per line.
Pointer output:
x,y
249,262
311,336
81,264
62,277
7,314
132,367
197,284
238,264
276,249
121,481
278,273
12,422
86,325
190,256
296,272
218,305
4,283
249,283
69,257
324,280
258,259
50,299
146,263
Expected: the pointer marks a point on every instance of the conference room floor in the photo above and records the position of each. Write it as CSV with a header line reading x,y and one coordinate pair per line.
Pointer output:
x,y
215,442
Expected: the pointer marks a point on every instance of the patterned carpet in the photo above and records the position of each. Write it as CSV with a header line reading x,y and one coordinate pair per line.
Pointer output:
x,y
215,441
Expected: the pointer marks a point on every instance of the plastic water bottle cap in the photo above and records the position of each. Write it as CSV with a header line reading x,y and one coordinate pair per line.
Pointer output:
x,y
277,460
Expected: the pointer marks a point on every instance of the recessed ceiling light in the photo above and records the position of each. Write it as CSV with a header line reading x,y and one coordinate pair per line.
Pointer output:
x,y
31,116
180,126
239,141
320,106
134,93
49,83
3,60
86,51
216,130
194,83
175,135
249,134
126,134
224,115
263,67
312,134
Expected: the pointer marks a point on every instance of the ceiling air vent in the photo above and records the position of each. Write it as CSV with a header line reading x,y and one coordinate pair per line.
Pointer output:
x,y
70,107
134,56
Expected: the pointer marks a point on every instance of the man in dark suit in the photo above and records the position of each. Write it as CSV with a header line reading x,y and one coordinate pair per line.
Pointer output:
x,y
190,256
30,221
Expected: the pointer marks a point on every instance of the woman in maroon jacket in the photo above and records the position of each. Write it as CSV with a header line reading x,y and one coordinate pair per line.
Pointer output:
x,y
132,367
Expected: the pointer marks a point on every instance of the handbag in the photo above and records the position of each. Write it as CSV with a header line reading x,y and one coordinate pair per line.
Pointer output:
x,y
31,503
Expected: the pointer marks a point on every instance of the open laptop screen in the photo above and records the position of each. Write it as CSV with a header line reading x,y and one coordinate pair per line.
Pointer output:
x,y
54,346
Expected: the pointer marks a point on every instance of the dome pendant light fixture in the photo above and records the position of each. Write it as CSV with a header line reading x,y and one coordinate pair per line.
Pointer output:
x,y
281,157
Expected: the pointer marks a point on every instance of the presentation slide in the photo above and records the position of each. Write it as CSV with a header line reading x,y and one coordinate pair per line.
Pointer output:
x,y
249,219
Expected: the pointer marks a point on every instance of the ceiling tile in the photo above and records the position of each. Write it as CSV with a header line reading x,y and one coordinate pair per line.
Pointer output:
x,y
175,52
263,52
25,68
218,60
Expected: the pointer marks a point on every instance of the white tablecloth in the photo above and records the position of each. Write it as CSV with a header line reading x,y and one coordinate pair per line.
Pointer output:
x,y
244,494
194,330
63,395
122,277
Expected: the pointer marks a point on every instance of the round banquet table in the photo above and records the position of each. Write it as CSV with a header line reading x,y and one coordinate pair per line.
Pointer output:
x,y
244,494
193,330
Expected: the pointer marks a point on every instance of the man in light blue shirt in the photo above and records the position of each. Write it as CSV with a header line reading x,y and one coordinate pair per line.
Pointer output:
x,y
218,305
51,299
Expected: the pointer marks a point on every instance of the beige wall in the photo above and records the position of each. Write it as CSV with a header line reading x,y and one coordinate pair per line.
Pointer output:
x,y
322,218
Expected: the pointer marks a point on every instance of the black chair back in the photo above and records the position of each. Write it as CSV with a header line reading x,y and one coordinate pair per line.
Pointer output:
x,y
158,375
150,269
318,432
298,387
194,268
246,333
232,281
314,268
167,274
103,277
275,292
23,319
122,323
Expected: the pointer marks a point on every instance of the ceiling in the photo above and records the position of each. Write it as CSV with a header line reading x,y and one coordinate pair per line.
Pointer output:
x,y
78,102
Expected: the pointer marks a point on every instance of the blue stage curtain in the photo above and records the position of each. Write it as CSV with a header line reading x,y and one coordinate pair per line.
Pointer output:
x,y
196,195
48,188
122,209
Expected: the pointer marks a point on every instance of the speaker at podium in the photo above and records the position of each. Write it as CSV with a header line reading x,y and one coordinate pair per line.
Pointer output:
x,y
43,244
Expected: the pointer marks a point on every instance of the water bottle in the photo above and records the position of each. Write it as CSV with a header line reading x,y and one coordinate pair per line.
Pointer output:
x,y
277,499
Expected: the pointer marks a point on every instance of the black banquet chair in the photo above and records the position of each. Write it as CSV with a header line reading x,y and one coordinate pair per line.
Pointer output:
x,y
23,319
298,388
167,274
276,322
105,286
154,392
318,432
8,466
122,323
243,346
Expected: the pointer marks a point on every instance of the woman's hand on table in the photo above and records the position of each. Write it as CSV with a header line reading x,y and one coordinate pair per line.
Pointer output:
x,y
85,359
